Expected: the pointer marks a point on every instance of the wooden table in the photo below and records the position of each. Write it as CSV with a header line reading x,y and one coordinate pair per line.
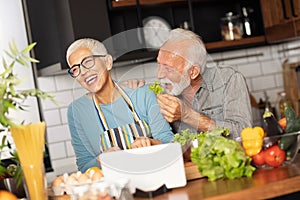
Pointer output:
x,y
265,183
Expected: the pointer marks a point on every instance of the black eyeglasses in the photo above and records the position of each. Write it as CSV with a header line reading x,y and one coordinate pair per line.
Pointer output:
x,y
87,63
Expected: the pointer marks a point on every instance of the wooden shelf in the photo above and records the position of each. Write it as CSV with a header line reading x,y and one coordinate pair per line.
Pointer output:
x,y
244,41
121,3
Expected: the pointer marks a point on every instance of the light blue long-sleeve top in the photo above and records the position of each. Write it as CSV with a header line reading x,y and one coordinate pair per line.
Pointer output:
x,y
85,127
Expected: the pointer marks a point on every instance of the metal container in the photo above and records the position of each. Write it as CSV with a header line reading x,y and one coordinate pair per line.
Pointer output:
x,y
231,27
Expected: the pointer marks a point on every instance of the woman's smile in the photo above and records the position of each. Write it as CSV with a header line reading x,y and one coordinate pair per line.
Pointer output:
x,y
91,79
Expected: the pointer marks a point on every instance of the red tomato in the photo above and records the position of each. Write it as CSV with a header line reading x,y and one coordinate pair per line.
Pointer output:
x,y
259,159
274,156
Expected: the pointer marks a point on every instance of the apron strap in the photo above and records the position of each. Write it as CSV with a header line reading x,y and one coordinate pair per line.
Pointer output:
x,y
129,102
101,114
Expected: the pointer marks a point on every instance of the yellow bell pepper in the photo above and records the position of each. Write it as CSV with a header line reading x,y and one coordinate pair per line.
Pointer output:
x,y
252,140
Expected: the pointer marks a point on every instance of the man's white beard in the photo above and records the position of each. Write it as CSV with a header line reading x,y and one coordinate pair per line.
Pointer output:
x,y
177,88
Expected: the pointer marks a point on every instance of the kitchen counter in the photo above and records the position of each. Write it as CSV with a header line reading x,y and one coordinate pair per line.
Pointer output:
x,y
264,184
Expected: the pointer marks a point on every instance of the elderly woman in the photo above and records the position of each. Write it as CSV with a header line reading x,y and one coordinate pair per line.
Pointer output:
x,y
109,117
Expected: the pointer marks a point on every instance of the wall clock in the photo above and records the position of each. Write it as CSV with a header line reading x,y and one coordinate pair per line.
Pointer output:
x,y
155,31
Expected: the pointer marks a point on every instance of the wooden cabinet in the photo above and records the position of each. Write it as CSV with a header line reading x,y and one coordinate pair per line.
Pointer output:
x,y
291,80
55,24
203,16
281,19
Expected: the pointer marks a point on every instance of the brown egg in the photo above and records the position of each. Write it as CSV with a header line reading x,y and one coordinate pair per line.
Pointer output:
x,y
71,180
104,196
58,181
83,178
76,174
97,176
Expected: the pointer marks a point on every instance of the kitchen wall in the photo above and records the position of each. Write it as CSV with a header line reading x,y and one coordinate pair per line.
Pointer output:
x,y
12,27
262,67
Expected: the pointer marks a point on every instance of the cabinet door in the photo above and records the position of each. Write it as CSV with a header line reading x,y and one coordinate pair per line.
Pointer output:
x,y
279,19
55,24
296,13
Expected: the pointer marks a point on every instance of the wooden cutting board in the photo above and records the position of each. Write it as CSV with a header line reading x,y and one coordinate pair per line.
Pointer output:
x,y
191,171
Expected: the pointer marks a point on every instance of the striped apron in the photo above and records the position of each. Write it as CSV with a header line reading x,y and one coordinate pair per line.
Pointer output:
x,y
124,135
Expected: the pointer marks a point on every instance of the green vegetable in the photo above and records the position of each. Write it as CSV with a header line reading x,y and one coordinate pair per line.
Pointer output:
x,y
217,156
292,121
287,143
292,150
156,88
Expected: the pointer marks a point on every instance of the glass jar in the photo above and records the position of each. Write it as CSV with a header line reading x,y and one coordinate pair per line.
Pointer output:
x,y
231,27
283,103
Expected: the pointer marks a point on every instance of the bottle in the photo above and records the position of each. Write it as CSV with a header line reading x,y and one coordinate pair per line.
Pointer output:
x,y
246,23
283,103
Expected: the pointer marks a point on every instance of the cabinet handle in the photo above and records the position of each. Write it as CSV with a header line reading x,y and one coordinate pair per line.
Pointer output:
x,y
293,8
284,8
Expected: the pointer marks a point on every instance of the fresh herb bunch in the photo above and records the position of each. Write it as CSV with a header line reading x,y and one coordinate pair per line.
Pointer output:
x,y
13,99
217,156
156,87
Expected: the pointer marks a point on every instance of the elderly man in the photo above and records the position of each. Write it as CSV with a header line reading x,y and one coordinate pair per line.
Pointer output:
x,y
200,96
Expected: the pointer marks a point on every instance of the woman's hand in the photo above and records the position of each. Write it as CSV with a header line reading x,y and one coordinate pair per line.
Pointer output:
x,y
144,142
112,149
141,142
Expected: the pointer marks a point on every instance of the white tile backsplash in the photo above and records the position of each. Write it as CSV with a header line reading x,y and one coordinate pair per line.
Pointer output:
x,y
69,148
63,98
58,133
262,72
271,66
250,69
263,82
58,150
52,117
279,80
63,115
267,53
47,84
66,82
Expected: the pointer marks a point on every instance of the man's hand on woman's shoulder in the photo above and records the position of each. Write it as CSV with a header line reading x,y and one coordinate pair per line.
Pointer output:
x,y
134,83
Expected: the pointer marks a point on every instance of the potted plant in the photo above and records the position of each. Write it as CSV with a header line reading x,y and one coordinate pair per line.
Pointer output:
x,y
13,99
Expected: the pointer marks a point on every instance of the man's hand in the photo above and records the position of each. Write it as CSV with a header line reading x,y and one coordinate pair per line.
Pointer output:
x,y
170,107
134,83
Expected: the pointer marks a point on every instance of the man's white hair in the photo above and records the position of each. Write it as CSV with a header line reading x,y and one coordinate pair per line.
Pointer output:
x,y
197,54
95,46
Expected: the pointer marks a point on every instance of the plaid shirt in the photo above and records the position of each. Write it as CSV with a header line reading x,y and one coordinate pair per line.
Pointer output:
x,y
223,96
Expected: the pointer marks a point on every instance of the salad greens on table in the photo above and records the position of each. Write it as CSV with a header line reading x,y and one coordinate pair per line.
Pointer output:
x,y
217,156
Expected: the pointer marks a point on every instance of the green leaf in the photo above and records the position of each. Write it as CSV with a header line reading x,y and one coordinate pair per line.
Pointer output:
x,y
13,48
12,98
33,60
4,64
28,48
22,62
